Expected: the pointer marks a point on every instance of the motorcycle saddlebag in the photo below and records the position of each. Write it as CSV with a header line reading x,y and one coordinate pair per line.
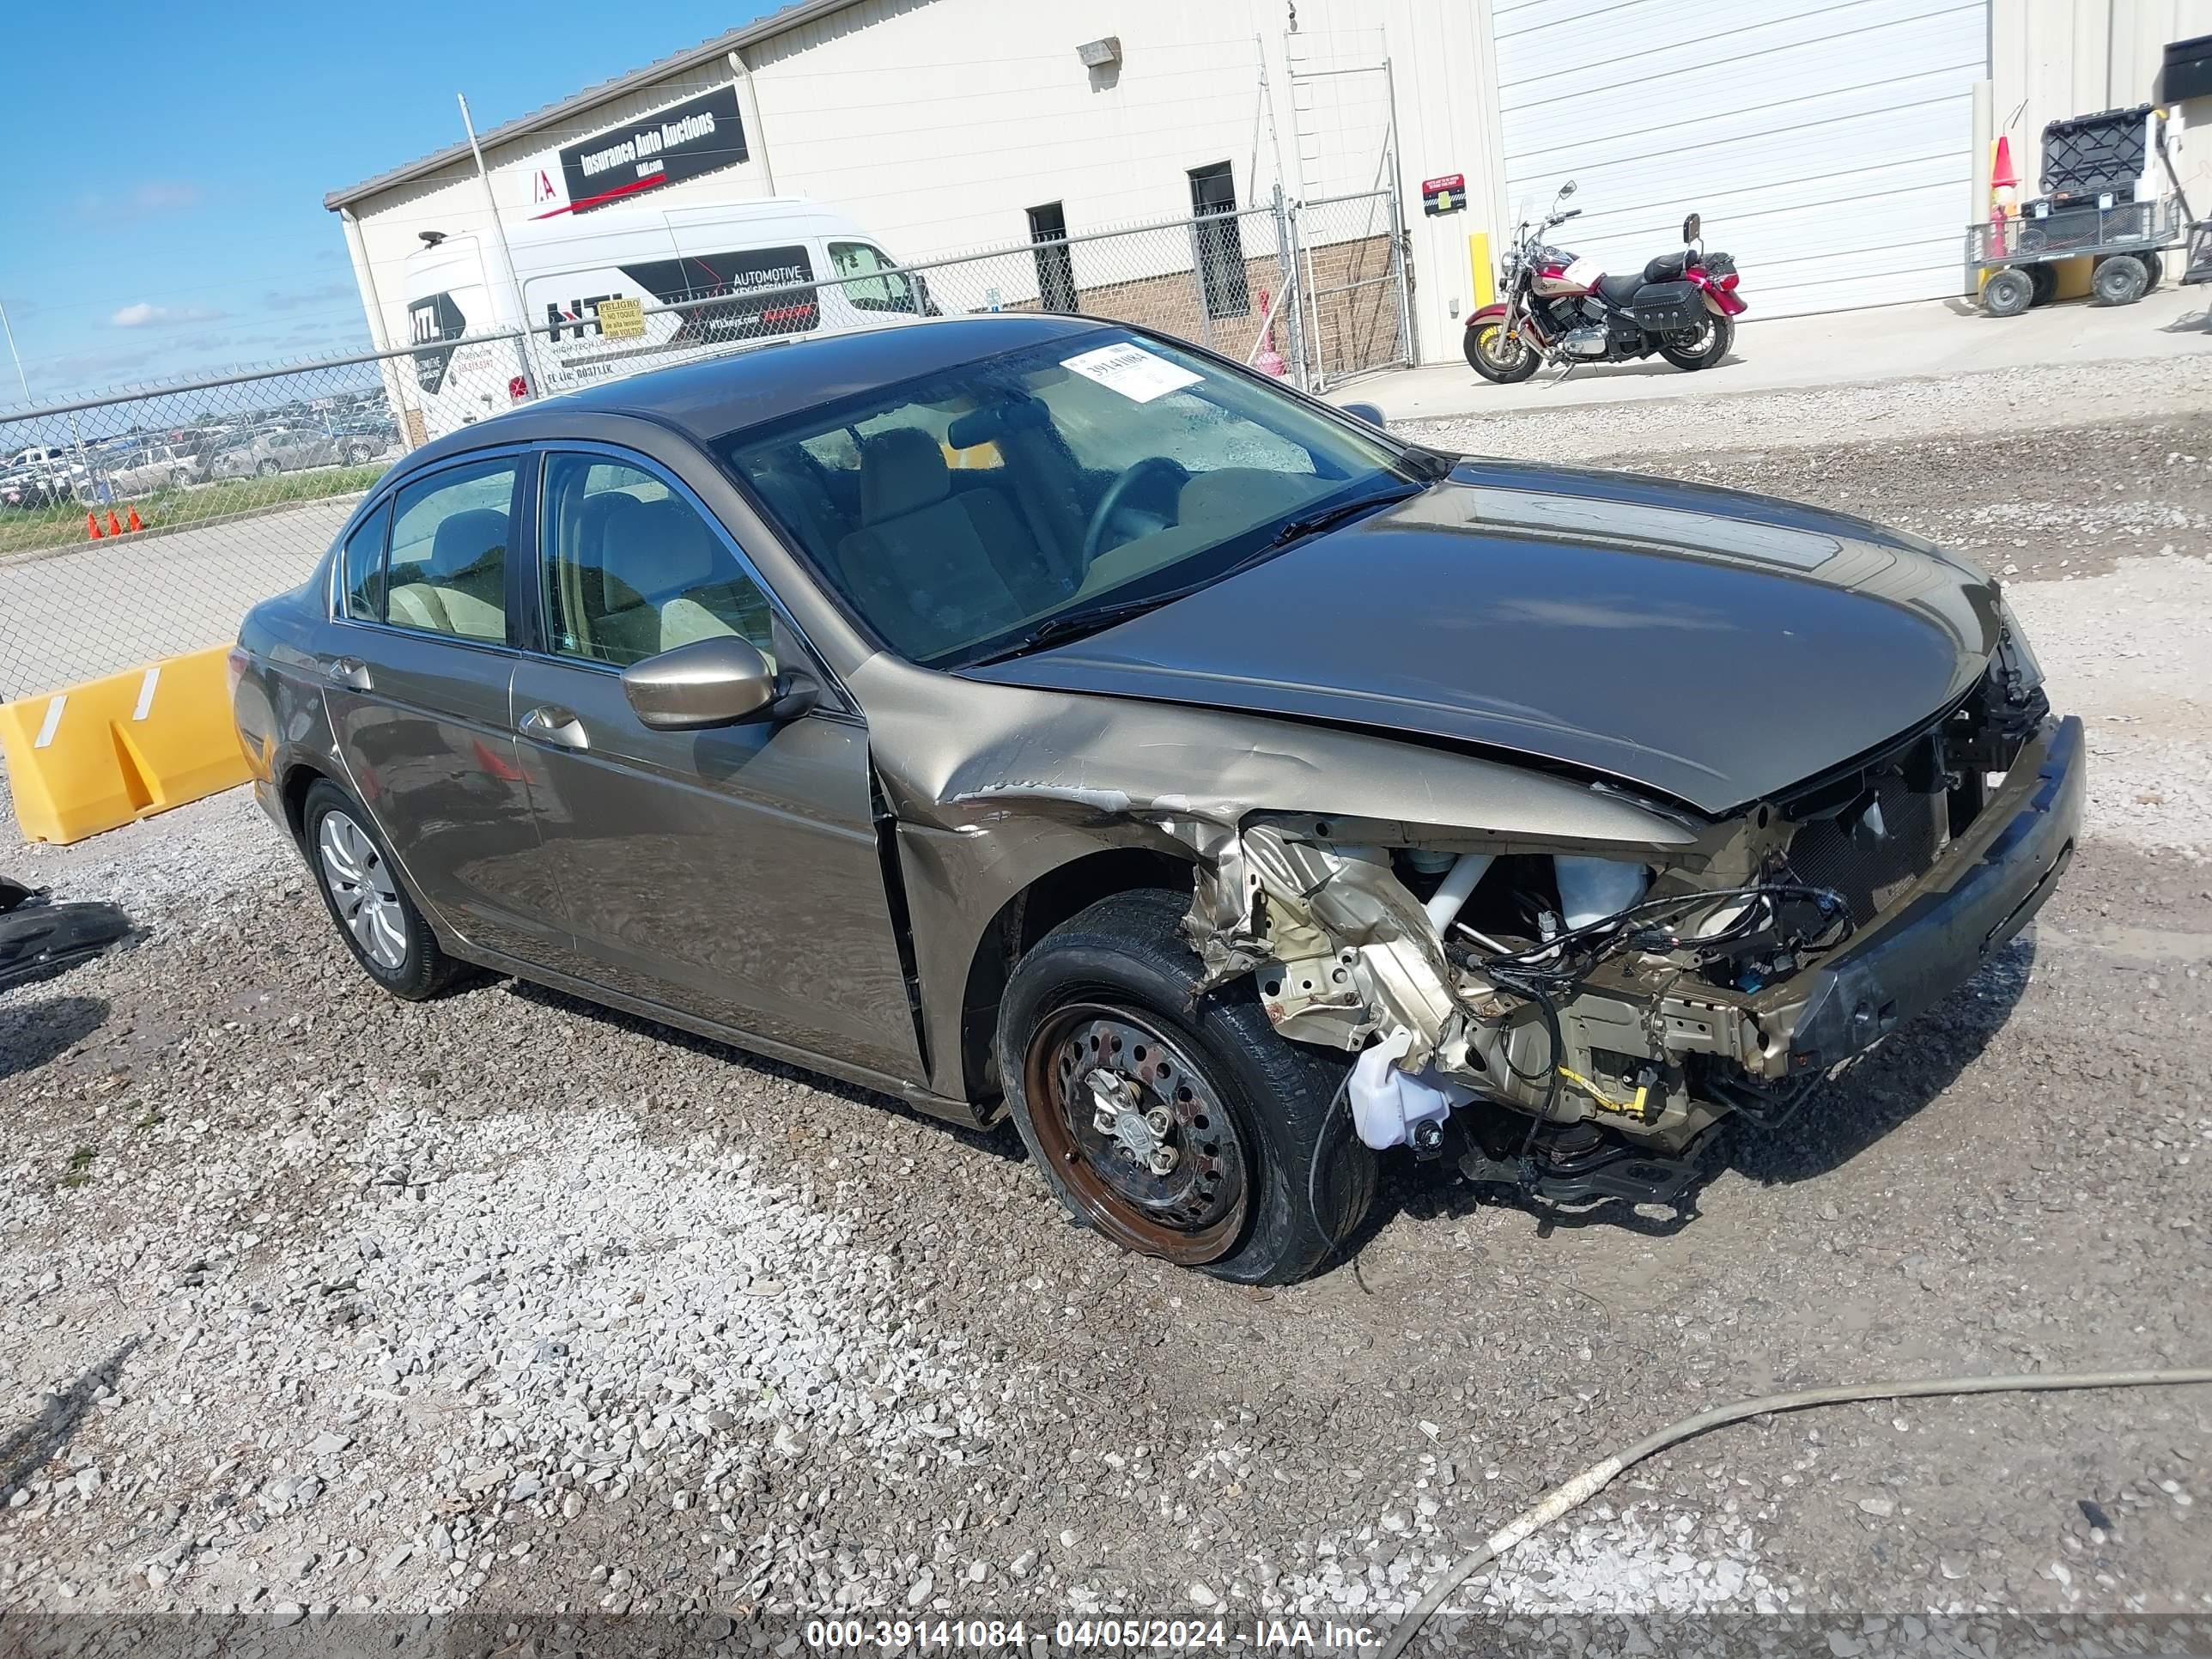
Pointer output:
x,y
1662,307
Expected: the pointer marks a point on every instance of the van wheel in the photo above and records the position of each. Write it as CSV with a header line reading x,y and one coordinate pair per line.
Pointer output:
x,y
1180,1126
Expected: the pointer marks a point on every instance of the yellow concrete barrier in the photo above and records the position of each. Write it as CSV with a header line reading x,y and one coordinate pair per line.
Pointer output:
x,y
114,750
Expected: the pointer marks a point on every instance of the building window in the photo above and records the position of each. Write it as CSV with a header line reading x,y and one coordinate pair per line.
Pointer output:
x,y
1219,242
1055,271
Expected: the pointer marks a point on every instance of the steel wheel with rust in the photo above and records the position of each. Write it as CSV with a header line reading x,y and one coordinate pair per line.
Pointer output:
x,y
1180,1126
1138,1132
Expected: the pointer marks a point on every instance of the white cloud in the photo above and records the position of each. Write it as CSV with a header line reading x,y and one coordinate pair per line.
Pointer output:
x,y
142,315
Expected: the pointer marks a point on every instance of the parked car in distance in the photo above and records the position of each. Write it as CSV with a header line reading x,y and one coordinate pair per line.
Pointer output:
x,y
291,449
154,467
1036,718
29,486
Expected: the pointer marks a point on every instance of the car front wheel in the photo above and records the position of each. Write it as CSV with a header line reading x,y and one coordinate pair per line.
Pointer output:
x,y
374,914
1180,1126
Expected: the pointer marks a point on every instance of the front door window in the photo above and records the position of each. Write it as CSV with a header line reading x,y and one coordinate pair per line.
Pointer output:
x,y
632,570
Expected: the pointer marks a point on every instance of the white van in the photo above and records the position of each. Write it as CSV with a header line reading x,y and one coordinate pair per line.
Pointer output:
x,y
757,261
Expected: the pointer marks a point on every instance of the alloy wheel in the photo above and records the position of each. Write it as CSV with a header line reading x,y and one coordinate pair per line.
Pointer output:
x,y
362,890
1138,1132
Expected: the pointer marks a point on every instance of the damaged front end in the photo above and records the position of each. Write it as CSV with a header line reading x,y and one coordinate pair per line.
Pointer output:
x,y
1584,1014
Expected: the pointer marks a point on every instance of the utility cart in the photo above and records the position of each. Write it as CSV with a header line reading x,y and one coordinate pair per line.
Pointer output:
x,y
2098,204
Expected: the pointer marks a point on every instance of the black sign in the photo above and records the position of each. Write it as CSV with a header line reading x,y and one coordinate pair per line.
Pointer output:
x,y
1445,195
698,136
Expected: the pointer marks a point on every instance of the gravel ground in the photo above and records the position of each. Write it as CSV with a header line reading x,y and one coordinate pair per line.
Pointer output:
x,y
313,1301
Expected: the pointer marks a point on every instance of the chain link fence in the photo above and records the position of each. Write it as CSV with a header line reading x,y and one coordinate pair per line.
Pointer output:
x,y
145,524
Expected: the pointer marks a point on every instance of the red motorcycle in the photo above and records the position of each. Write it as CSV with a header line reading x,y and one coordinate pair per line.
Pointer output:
x,y
1562,309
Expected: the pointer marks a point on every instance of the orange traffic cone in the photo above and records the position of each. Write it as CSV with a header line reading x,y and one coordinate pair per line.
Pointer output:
x,y
135,522
91,527
2002,177
114,524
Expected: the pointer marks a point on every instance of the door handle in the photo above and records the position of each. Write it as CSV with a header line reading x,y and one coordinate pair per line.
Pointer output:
x,y
351,673
559,727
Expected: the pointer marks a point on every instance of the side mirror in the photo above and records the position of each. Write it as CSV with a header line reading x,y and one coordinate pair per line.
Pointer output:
x,y
1692,227
1567,188
1367,412
707,683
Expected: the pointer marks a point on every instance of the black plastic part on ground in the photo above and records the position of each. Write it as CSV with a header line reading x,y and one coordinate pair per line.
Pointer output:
x,y
40,941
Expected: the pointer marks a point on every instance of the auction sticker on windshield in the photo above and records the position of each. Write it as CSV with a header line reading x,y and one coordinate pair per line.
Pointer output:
x,y
1136,374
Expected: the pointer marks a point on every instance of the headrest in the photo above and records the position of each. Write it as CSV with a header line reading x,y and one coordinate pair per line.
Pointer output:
x,y
657,550
592,525
900,469
467,540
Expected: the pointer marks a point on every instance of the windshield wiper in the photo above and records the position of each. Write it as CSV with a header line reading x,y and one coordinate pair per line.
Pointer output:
x,y
1075,624
1312,523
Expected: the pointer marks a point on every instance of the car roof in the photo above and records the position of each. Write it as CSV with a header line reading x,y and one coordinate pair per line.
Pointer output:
x,y
757,385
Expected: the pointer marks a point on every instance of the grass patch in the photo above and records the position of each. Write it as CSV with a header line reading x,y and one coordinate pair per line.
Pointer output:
x,y
79,1167
45,527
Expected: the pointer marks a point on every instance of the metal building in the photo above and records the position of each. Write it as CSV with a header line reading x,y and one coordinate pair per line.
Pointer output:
x,y
1838,148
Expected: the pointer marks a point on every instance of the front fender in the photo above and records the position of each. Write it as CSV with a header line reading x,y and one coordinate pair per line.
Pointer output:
x,y
1489,314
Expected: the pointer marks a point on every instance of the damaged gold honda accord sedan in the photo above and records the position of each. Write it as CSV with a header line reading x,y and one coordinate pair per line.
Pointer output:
x,y
1037,718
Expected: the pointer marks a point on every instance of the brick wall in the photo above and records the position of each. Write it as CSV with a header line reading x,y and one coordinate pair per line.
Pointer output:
x,y
1357,311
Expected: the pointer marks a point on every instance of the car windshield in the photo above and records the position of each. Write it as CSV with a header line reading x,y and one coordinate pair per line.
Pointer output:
x,y
973,512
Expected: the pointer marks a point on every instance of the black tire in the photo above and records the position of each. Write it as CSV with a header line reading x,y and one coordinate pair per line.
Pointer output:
x,y
1499,359
2120,279
268,469
423,968
1267,1197
2045,277
1715,346
2154,266
2008,292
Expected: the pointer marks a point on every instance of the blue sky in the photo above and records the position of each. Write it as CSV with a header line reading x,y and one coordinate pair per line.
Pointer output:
x,y
163,214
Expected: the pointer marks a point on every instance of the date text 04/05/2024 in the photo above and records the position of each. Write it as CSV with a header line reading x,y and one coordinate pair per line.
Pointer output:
x,y
1095,1635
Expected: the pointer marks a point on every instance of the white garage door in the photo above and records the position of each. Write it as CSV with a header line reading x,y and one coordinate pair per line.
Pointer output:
x,y
1829,145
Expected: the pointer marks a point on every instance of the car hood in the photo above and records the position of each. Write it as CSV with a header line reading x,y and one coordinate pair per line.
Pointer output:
x,y
1714,646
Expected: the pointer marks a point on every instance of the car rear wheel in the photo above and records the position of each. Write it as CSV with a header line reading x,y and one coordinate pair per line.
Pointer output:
x,y
373,910
268,469
1180,1126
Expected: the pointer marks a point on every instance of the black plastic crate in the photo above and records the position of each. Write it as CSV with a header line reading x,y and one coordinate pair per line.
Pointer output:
x,y
2085,156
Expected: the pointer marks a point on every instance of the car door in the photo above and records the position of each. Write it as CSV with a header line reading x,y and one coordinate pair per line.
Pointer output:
x,y
732,874
417,688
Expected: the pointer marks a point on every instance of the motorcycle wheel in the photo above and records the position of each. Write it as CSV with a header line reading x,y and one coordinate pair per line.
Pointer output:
x,y
1712,345
1499,357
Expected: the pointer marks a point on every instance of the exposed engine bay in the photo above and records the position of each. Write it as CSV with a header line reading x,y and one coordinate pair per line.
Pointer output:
x,y
1582,1017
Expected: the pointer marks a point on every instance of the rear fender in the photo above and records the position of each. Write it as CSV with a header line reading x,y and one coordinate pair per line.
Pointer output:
x,y
1719,295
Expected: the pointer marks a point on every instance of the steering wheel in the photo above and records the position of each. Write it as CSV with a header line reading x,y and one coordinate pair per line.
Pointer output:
x,y
1117,492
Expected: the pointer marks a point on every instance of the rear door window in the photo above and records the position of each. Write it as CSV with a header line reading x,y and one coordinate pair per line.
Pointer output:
x,y
447,567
